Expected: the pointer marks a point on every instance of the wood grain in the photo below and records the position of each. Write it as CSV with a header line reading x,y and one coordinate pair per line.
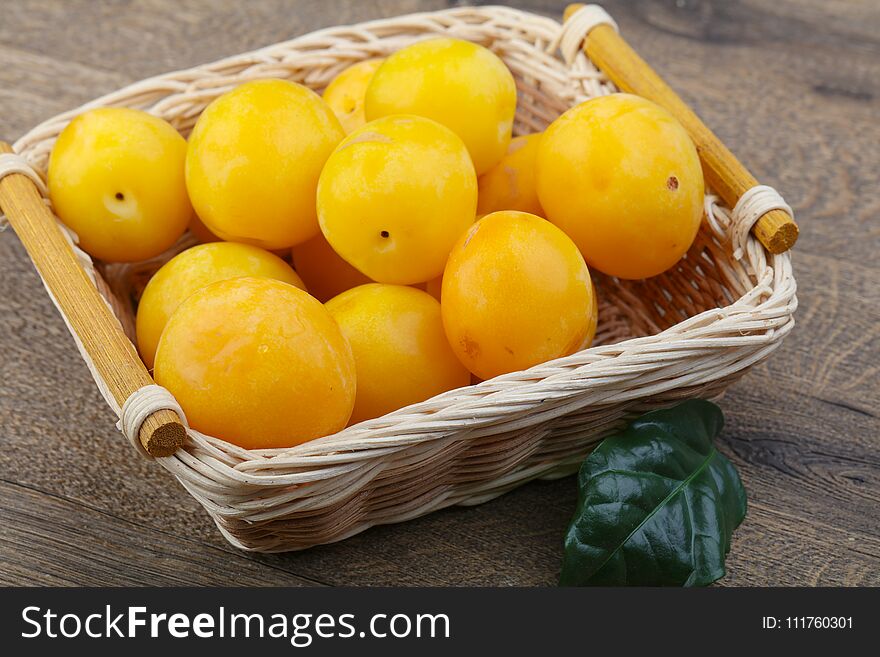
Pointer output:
x,y
114,358
48,540
791,86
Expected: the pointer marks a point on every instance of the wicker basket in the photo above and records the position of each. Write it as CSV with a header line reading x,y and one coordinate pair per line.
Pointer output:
x,y
689,332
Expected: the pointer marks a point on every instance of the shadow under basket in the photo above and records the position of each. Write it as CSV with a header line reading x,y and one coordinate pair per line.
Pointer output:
x,y
690,332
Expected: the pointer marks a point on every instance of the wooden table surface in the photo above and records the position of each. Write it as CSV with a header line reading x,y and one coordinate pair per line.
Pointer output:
x,y
792,86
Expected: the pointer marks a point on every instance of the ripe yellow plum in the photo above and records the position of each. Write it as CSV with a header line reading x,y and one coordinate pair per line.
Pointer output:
x,y
116,177
400,350
516,292
345,93
395,196
253,162
457,83
510,184
258,363
622,178
190,271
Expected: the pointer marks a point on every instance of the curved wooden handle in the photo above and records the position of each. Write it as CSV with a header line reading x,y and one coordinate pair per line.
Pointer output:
x,y
113,355
776,230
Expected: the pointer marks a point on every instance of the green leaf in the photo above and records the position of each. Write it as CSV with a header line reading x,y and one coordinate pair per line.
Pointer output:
x,y
657,504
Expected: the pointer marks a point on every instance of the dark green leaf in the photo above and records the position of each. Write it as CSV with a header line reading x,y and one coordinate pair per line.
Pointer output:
x,y
657,504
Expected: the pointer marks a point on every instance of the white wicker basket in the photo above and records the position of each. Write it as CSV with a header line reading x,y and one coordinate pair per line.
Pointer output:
x,y
689,332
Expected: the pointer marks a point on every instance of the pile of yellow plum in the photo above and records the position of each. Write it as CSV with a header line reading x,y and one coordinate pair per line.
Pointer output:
x,y
375,247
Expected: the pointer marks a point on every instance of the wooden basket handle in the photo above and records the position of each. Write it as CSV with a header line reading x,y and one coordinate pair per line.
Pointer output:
x,y
113,355
776,230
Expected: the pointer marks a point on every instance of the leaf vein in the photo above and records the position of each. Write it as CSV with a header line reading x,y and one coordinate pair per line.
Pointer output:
x,y
675,491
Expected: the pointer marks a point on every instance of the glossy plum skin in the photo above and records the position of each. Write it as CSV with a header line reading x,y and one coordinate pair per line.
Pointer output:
x,y
516,292
116,177
457,83
345,93
401,352
258,363
190,271
510,184
622,178
395,196
253,162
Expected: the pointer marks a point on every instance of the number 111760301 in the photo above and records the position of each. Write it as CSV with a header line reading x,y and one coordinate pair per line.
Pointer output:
x,y
807,623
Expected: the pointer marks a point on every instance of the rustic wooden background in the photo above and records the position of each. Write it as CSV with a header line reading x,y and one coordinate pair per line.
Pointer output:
x,y
792,86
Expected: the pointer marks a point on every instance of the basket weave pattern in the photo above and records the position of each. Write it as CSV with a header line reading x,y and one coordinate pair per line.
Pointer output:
x,y
689,332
